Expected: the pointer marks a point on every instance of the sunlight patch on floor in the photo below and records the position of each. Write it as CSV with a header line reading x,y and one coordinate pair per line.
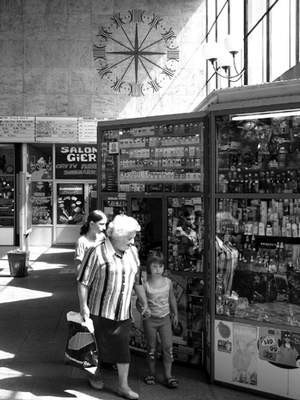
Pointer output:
x,y
41,265
11,293
83,396
4,355
10,373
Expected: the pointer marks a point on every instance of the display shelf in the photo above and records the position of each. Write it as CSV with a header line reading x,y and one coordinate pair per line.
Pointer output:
x,y
170,153
189,274
258,156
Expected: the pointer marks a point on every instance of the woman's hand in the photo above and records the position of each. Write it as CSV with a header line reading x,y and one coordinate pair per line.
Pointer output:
x,y
175,320
85,312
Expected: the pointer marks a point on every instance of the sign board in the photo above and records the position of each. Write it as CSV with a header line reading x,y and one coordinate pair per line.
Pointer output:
x,y
56,130
76,161
87,130
17,129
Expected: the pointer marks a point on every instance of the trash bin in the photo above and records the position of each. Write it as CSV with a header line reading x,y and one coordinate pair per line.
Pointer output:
x,y
17,263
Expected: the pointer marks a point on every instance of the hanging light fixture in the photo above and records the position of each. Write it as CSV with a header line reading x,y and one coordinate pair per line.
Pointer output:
x,y
223,58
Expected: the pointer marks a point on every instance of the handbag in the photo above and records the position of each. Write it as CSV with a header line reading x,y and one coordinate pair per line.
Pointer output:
x,y
81,348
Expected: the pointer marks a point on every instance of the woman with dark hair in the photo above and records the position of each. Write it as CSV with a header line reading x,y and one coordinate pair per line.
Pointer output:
x,y
91,233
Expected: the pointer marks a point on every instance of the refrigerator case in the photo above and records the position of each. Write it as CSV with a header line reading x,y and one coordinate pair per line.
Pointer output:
x,y
155,165
257,253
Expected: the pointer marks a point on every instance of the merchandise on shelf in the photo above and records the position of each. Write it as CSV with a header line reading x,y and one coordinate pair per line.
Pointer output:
x,y
157,158
185,234
258,156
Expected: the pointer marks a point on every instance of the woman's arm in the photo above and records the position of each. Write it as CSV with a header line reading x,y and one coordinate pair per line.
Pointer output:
x,y
83,296
141,295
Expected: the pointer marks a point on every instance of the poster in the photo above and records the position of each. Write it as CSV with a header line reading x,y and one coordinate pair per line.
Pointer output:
x,y
17,129
224,337
70,203
39,164
279,347
41,203
244,356
56,130
76,161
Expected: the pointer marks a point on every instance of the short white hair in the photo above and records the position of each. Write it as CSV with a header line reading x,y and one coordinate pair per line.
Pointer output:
x,y
122,225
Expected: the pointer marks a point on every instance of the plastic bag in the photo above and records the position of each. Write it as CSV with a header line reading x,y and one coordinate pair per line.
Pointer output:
x,y
81,348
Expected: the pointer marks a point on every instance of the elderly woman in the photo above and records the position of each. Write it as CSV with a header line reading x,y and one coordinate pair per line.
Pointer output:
x,y
106,279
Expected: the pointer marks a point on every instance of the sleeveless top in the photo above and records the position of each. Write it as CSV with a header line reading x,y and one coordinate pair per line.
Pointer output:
x,y
158,299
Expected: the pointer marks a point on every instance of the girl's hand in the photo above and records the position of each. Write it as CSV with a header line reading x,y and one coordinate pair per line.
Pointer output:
x,y
146,313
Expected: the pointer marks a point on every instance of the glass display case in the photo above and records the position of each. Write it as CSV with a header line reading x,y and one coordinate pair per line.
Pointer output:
x,y
153,169
258,238
256,219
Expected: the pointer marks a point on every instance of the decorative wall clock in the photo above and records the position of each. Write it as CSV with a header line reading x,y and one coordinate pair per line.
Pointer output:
x,y
136,52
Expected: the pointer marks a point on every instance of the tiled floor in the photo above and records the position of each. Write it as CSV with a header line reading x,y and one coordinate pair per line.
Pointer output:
x,y
33,333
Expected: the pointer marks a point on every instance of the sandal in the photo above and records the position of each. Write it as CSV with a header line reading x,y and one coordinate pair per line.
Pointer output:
x,y
172,383
149,380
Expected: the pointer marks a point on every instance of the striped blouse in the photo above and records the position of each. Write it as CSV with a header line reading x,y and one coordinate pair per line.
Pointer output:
x,y
110,279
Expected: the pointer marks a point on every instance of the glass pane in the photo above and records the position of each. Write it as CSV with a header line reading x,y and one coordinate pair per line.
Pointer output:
x,y
258,259
257,42
185,234
7,159
92,197
7,195
39,163
280,39
259,155
41,202
70,203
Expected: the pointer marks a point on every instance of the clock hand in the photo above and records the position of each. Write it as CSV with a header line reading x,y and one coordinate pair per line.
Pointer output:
x,y
152,82
170,73
147,34
152,44
136,53
125,33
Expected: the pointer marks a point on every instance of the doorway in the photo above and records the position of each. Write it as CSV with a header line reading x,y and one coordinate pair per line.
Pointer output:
x,y
148,212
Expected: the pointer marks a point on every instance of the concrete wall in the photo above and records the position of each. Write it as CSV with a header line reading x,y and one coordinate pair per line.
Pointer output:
x,y
47,66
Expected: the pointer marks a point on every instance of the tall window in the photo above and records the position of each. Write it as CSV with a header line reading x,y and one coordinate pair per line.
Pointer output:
x,y
269,31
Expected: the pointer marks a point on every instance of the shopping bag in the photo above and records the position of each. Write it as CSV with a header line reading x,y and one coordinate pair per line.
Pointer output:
x,y
81,349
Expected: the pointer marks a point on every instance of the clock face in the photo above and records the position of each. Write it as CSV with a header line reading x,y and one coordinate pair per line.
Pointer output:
x,y
136,53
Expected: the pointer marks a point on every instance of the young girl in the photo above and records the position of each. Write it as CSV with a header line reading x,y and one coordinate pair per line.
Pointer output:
x,y
158,318
91,233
